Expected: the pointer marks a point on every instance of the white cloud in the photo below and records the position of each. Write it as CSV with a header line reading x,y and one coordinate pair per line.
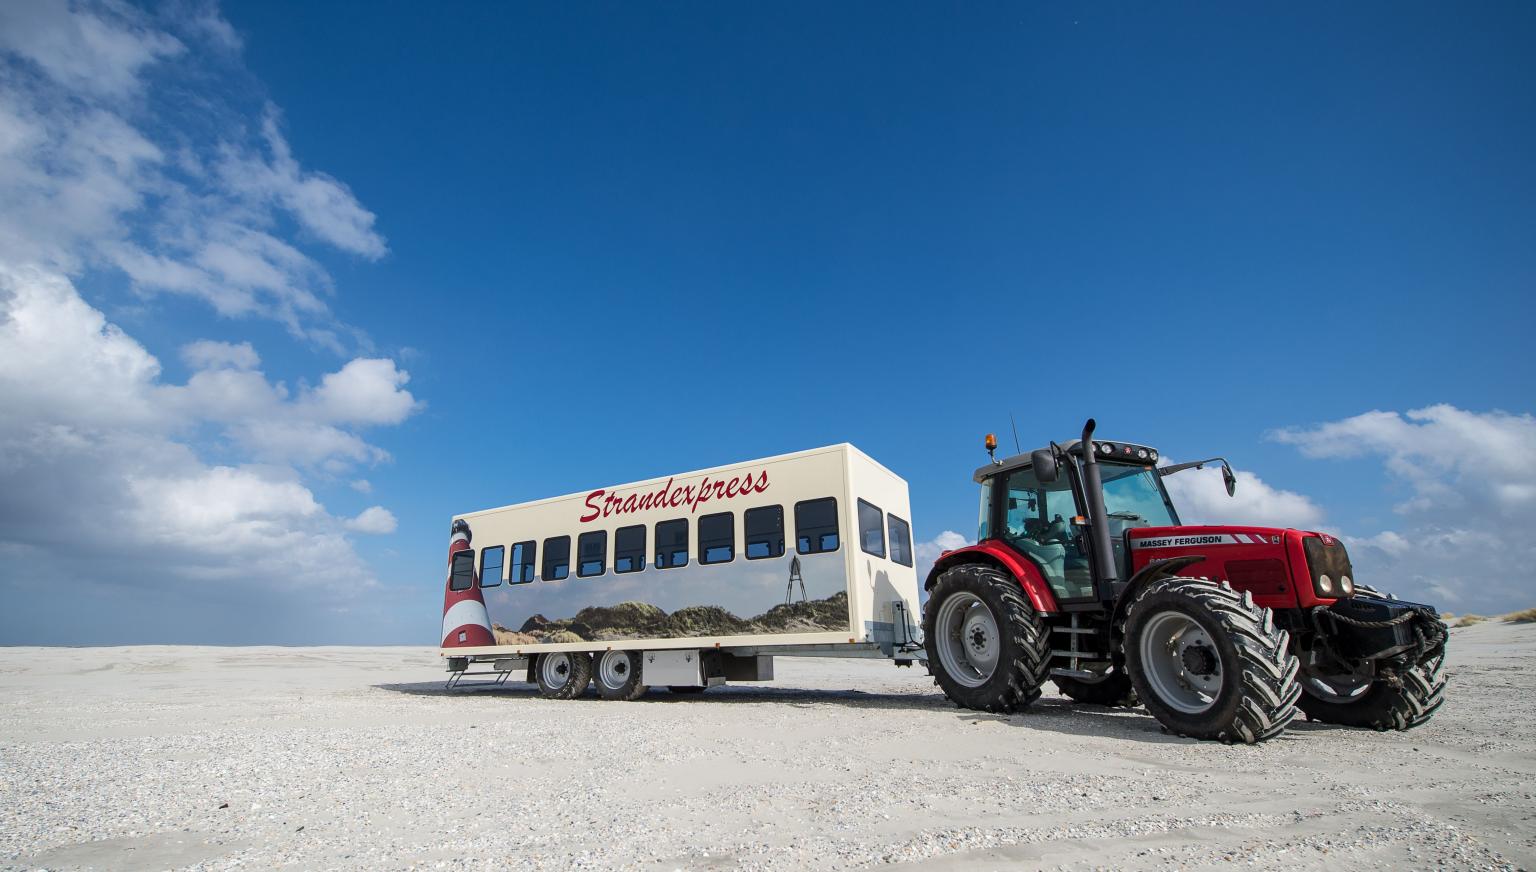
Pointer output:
x,y
1467,499
925,553
375,520
362,486
365,391
91,177
208,354
1201,498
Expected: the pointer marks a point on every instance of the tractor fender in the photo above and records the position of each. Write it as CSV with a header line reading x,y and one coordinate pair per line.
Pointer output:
x,y
992,552
1153,571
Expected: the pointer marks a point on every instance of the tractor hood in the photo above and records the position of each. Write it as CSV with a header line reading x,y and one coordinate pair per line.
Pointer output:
x,y
1282,568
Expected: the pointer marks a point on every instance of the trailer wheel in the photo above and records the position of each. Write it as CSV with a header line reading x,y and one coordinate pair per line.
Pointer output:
x,y
1400,703
1208,663
1114,689
617,675
987,648
563,674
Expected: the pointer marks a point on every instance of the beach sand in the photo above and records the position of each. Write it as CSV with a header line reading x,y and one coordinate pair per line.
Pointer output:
x,y
354,758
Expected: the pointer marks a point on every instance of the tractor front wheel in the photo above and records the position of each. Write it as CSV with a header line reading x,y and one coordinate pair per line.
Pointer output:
x,y
1398,702
1208,663
987,648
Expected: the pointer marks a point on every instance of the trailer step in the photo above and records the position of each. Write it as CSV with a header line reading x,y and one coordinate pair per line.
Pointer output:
x,y
1082,631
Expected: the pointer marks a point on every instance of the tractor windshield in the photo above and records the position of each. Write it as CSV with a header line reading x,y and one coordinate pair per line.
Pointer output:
x,y
1134,497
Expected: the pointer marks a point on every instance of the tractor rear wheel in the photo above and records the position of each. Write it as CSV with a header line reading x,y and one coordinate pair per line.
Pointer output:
x,y
1113,689
987,648
1208,663
1406,700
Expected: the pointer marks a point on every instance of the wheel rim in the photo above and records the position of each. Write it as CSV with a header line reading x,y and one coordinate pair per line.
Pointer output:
x,y
555,669
613,669
1180,662
969,642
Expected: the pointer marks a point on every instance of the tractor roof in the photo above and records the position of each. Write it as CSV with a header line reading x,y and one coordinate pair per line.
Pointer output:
x,y
1122,452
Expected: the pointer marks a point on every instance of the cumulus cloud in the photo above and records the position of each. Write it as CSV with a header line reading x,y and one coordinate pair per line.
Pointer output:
x,y
375,520
1466,484
925,553
1201,498
197,496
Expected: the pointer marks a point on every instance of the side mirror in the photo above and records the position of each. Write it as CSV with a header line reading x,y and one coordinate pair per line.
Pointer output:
x,y
1229,479
1044,463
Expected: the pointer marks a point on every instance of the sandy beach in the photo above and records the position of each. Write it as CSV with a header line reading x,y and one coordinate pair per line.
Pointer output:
x,y
353,758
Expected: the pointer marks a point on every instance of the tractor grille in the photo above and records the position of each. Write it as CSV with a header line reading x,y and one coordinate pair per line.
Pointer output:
x,y
1327,557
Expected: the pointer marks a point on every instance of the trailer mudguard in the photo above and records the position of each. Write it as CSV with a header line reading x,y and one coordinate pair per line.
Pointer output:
x,y
996,553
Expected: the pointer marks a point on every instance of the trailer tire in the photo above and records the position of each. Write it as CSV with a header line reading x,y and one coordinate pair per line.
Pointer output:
x,y
563,674
617,675
988,648
1400,705
1225,671
1114,689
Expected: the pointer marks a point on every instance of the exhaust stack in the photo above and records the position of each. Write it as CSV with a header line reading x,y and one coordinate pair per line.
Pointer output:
x,y
1093,484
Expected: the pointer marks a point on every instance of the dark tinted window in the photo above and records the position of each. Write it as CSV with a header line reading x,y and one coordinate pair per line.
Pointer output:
x,y
522,563
871,529
672,544
463,575
717,538
816,526
490,565
629,549
592,553
764,527
901,540
557,558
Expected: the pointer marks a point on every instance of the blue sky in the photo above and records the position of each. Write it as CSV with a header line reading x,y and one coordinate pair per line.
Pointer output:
x,y
369,267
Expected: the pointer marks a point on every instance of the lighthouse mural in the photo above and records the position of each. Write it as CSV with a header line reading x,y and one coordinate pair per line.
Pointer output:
x,y
465,621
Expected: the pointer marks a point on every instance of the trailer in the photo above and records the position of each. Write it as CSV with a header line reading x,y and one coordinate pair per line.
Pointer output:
x,y
686,581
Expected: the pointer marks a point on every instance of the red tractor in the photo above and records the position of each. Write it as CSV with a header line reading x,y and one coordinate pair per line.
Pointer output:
x,y
1083,575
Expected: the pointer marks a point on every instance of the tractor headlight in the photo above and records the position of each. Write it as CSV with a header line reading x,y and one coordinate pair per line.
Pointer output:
x,y
1106,448
1346,587
1325,585
1141,453
1153,454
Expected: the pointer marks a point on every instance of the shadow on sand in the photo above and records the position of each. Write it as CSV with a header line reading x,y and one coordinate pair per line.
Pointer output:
x,y
1055,714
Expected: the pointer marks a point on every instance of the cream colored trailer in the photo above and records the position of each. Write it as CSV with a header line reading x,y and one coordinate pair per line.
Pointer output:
x,y
807,553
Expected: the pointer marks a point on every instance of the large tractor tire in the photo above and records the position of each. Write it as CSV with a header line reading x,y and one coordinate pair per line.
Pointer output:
x,y
563,675
987,648
1208,663
1113,689
1402,703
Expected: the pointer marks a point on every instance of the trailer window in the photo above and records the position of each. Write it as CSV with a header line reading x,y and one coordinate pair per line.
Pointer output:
x,y
557,558
717,538
629,549
522,563
765,532
901,540
463,575
871,529
672,544
591,553
816,526
490,565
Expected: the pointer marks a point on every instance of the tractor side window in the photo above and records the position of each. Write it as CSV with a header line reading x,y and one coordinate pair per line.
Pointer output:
x,y
522,562
672,544
765,532
462,576
629,549
717,538
871,529
490,565
984,526
1038,521
816,526
557,558
901,540
592,553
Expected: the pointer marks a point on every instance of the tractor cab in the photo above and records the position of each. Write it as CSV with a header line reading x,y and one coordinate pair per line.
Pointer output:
x,y
1043,517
